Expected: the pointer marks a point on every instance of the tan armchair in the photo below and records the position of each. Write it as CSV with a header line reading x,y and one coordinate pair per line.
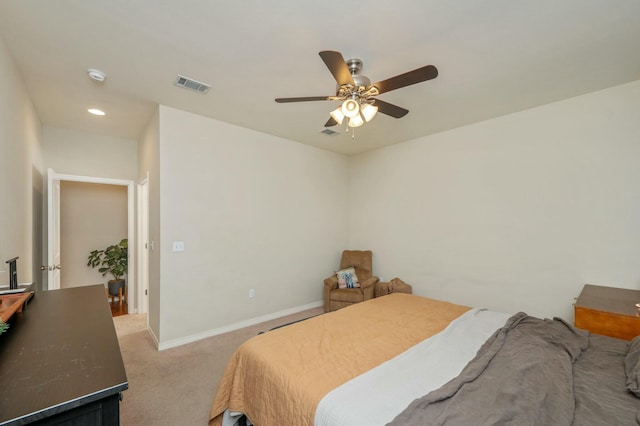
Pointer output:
x,y
336,298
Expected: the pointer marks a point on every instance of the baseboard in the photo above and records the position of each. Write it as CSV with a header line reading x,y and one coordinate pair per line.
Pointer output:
x,y
156,342
232,327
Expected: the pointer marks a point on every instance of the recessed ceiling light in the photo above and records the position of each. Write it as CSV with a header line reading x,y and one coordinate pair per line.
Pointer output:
x,y
96,111
96,75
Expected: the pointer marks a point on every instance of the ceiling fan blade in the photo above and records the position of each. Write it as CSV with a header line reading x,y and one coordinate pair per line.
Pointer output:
x,y
390,109
338,67
330,122
305,99
412,77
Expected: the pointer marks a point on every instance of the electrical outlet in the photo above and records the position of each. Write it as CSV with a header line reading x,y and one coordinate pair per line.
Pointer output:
x,y
252,293
178,246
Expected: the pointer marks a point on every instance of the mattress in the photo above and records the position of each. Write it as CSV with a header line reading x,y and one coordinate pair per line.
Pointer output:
x,y
280,377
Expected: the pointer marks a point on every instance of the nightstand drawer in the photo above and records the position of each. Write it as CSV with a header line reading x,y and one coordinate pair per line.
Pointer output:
x,y
608,311
608,324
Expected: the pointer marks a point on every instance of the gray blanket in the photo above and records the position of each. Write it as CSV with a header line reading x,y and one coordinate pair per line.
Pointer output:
x,y
527,374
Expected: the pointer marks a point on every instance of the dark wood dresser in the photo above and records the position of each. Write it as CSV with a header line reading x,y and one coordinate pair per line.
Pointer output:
x,y
60,361
608,311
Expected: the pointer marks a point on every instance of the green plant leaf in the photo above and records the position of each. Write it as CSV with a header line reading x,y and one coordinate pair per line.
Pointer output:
x,y
113,259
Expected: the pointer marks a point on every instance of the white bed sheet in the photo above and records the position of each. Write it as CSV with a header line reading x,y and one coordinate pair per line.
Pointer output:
x,y
379,395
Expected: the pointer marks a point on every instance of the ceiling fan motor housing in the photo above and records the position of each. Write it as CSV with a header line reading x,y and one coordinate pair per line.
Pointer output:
x,y
355,66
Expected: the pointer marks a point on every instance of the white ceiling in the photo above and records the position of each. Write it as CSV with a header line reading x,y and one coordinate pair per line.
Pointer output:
x,y
494,57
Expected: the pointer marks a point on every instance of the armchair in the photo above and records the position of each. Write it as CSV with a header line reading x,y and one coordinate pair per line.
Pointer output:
x,y
336,298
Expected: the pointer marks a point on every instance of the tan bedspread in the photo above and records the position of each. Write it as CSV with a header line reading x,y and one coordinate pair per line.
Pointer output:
x,y
281,376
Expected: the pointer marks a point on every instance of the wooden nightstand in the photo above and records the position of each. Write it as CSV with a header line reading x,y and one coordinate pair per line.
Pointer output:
x,y
609,311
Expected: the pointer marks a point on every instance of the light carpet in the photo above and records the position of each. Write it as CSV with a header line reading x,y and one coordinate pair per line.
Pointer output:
x,y
176,386
129,324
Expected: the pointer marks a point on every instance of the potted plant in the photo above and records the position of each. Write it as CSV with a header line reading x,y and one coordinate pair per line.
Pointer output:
x,y
113,260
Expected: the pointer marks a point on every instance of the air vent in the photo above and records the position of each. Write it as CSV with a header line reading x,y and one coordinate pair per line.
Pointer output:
x,y
189,83
328,132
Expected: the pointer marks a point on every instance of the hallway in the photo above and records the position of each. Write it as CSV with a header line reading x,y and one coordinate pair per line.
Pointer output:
x,y
118,309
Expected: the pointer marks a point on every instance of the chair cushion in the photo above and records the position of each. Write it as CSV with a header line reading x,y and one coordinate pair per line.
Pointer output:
x,y
347,295
360,260
347,278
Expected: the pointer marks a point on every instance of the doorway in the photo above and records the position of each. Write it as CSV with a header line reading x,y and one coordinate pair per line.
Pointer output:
x,y
52,269
93,216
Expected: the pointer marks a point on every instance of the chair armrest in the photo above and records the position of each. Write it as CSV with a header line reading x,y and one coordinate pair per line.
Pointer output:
x,y
369,282
330,284
368,287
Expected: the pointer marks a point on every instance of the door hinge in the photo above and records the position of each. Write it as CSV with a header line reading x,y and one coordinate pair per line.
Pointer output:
x,y
146,293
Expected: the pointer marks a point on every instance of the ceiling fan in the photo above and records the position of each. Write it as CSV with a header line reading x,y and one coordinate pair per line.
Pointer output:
x,y
358,95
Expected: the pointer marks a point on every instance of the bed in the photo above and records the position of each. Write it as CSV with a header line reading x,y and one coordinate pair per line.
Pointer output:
x,y
409,360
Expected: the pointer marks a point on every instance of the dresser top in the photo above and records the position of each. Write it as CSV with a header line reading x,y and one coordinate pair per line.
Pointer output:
x,y
59,353
609,299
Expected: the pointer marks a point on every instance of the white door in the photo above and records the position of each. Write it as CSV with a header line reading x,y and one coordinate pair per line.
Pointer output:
x,y
143,247
53,219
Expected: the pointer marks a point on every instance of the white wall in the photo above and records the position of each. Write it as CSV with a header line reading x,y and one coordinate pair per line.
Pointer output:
x,y
92,217
80,153
88,154
254,211
20,175
149,166
515,213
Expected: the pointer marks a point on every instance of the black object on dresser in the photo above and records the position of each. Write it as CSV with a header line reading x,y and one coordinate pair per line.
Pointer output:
x,y
60,361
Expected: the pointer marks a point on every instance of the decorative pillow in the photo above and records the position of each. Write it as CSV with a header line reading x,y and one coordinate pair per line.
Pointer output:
x,y
347,278
632,366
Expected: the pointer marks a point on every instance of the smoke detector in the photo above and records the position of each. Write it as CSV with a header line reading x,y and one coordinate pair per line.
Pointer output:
x,y
96,75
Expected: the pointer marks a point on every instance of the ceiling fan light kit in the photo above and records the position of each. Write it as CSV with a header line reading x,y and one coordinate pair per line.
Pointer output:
x,y
337,115
363,113
350,108
356,121
358,95
368,111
